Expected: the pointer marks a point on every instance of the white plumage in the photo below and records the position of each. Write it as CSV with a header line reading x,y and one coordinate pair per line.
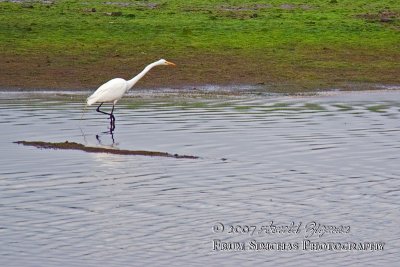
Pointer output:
x,y
111,91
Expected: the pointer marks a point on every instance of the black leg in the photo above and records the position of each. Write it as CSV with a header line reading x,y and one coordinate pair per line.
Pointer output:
x,y
112,126
112,137
98,110
112,118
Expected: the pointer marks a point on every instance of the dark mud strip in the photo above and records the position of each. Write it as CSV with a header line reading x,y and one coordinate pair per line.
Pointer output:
x,y
76,146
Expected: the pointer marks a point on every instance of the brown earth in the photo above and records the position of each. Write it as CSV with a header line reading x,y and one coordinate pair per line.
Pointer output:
x,y
76,146
289,73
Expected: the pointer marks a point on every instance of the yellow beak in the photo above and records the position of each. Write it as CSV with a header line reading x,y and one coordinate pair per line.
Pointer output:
x,y
171,64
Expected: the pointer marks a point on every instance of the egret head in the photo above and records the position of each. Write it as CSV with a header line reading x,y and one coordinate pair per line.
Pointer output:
x,y
165,62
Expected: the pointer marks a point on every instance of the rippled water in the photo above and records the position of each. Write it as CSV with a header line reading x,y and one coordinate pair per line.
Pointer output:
x,y
332,158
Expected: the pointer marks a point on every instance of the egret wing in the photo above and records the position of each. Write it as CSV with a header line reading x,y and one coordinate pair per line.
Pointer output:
x,y
108,92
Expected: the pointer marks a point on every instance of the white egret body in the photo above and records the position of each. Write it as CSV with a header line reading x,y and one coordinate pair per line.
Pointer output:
x,y
113,90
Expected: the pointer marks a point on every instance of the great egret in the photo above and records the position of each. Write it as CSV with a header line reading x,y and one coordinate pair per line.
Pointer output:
x,y
113,90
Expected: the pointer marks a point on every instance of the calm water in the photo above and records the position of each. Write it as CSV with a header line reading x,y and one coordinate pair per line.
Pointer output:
x,y
331,158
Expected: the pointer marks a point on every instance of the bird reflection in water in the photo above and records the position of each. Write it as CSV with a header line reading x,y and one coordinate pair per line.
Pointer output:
x,y
111,134
99,138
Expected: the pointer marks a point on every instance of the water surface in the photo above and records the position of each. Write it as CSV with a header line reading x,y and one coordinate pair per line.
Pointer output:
x,y
332,158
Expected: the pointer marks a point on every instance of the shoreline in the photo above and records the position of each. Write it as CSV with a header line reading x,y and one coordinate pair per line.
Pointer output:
x,y
209,93
210,88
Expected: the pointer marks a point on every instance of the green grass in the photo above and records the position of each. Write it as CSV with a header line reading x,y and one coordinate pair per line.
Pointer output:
x,y
179,26
303,40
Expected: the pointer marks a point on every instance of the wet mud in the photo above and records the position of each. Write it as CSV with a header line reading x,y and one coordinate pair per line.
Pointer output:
x,y
76,146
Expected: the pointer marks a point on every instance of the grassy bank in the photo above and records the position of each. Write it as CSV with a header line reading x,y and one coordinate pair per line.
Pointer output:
x,y
309,44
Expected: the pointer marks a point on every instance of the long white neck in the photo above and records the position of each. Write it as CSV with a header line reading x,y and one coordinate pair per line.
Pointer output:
x,y
135,79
